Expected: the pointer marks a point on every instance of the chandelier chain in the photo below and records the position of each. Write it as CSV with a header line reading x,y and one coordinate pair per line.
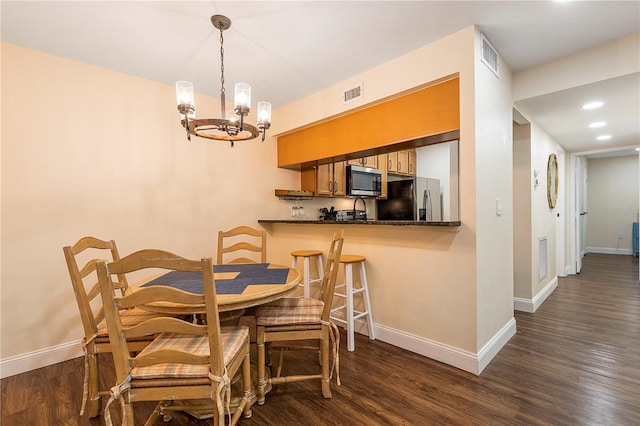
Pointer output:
x,y
221,62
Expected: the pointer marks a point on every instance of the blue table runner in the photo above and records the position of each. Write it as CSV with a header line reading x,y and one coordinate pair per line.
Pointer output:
x,y
249,274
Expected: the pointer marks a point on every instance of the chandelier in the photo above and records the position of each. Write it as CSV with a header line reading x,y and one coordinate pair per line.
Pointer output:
x,y
227,128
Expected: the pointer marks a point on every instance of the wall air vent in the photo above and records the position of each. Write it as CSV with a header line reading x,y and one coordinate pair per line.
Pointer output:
x,y
489,56
352,94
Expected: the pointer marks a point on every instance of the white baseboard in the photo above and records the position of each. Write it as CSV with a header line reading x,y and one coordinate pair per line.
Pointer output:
x,y
450,355
40,358
609,250
531,306
493,346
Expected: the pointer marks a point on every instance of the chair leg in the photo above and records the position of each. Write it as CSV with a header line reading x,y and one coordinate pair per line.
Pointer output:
x,y
262,374
94,403
246,384
245,404
128,413
326,367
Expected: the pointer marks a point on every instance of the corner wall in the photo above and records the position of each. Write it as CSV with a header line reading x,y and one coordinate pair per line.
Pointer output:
x,y
494,187
429,291
535,219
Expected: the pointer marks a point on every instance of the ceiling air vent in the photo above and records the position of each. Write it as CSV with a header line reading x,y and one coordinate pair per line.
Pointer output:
x,y
352,94
489,56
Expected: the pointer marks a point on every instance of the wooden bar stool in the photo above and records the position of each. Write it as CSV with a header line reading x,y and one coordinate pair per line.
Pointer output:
x,y
349,313
307,280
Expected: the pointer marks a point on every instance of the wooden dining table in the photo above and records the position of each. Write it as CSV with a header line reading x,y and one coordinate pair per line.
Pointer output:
x,y
238,286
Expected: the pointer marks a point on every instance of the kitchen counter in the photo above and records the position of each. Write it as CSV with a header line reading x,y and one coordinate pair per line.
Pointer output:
x,y
363,222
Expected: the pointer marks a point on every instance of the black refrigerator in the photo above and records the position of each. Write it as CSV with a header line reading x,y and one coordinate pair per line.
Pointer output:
x,y
417,198
400,203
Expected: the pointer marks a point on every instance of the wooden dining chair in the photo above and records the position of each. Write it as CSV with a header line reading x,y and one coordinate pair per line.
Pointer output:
x,y
292,319
188,366
85,252
245,240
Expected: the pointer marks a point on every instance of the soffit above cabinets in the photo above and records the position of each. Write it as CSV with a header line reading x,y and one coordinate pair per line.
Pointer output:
x,y
382,127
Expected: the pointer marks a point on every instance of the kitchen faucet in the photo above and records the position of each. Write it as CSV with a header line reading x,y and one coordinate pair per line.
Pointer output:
x,y
363,205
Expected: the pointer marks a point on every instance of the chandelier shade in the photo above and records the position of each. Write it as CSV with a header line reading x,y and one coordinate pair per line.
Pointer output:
x,y
226,128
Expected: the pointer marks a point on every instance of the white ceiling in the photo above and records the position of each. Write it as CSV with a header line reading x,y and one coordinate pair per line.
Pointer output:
x,y
288,50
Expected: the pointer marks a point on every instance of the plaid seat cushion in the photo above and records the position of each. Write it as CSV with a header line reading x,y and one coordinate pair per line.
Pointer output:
x,y
232,339
290,311
129,317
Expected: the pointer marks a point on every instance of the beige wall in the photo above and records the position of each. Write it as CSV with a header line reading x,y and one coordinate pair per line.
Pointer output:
x,y
612,203
494,181
534,219
88,151
107,157
415,275
522,189
428,282
543,222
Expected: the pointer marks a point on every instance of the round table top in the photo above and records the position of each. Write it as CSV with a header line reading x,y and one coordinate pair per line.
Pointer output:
x,y
253,295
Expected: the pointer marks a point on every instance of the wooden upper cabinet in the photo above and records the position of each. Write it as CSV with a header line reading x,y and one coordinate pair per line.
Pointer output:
x,y
371,161
324,179
330,180
340,178
427,111
392,162
402,162
411,162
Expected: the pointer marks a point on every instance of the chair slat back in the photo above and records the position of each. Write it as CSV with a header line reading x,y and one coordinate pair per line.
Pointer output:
x,y
85,281
120,334
256,242
331,273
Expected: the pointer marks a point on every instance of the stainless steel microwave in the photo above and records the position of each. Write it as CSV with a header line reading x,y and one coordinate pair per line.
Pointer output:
x,y
363,181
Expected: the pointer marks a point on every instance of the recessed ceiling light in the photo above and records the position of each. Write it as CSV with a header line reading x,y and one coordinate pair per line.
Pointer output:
x,y
603,137
592,105
637,149
597,124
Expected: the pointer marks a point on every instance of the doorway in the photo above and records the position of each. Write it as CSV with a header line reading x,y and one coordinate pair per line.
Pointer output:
x,y
604,226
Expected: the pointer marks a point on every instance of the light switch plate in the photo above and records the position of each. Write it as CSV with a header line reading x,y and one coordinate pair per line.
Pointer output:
x,y
498,207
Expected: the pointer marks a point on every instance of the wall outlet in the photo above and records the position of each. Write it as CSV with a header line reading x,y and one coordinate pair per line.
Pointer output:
x,y
619,235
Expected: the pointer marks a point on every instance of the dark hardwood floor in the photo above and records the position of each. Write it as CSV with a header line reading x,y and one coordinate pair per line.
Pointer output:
x,y
576,361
